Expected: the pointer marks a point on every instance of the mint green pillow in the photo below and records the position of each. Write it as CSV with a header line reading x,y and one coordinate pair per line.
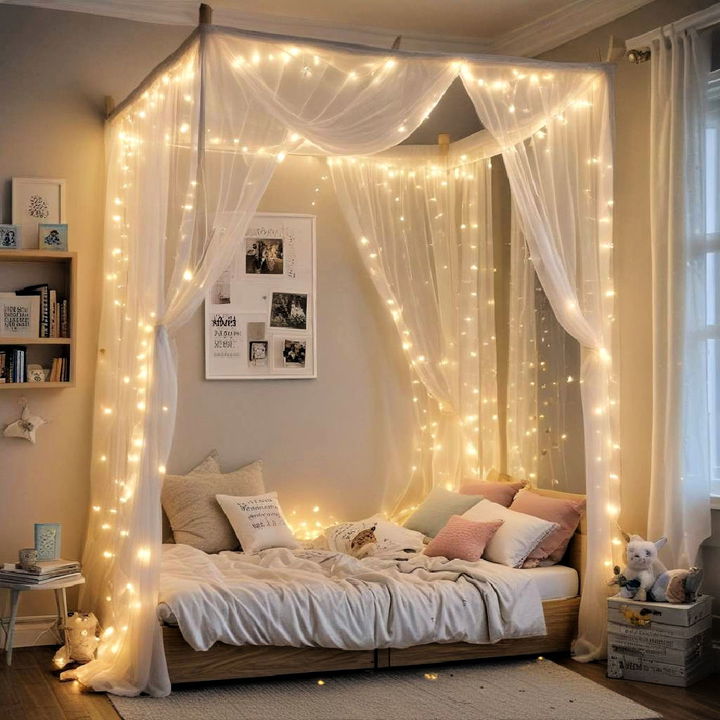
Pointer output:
x,y
437,508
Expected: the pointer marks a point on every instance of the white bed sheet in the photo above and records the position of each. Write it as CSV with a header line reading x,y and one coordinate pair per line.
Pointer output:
x,y
555,582
321,598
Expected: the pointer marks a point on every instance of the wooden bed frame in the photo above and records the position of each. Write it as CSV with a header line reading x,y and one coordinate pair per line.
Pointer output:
x,y
226,662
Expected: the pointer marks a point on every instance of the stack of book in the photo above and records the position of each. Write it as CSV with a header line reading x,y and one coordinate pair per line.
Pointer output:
x,y
60,370
42,572
54,320
12,364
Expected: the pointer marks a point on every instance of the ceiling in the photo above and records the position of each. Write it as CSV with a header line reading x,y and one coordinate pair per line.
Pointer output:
x,y
480,19
509,27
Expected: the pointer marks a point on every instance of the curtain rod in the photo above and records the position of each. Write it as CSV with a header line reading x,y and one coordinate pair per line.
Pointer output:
x,y
701,20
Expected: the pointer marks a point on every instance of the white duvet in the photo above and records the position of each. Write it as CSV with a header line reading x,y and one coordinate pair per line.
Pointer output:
x,y
328,599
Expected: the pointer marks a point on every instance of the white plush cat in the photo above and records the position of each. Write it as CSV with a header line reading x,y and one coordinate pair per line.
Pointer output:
x,y
642,566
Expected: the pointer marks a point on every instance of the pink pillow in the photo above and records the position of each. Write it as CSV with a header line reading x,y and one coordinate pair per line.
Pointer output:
x,y
501,493
566,513
462,539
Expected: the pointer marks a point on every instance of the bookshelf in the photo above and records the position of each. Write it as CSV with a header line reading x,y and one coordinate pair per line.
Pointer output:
x,y
21,268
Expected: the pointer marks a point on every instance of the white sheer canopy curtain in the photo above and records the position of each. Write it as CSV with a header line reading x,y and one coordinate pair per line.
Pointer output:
x,y
424,231
681,468
556,137
189,157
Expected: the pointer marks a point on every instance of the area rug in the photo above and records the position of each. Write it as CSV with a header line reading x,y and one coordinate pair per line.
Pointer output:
x,y
497,690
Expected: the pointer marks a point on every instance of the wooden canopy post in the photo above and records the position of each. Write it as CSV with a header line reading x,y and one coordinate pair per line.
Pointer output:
x,y
205,14
109,105
444,143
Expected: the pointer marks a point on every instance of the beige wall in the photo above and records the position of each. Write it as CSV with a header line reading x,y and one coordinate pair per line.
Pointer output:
x,y
336,441
55,70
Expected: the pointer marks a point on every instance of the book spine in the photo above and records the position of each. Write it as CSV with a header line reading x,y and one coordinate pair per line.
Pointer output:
x,y
3,360
53,313
45,312
64,320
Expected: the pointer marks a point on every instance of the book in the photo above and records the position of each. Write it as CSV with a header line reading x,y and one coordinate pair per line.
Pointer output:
x,y
43,291
64,320
31,577
19,315
42,567
7,577
3,363
53,313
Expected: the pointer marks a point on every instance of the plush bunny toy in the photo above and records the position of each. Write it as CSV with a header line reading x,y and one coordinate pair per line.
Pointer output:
x,y
643,567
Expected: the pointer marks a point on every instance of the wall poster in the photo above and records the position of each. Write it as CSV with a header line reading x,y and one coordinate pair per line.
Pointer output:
x,y
260,320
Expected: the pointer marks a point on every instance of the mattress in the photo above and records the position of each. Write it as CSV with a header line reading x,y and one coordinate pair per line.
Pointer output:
x,y
554,582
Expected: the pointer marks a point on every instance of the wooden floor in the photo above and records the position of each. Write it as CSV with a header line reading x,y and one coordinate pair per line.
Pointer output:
x,y
29,690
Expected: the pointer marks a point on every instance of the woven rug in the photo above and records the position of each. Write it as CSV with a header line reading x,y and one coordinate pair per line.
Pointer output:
x,y
491,690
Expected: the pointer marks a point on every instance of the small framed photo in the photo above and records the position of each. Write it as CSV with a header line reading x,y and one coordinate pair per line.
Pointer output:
x,y
53,237
35,201
293,353
10,238
264,256
258,353
47,541
289,310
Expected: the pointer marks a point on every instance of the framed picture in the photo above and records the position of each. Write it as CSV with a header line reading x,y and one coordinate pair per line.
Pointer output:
x,y
19,315
35,201
10,237
260,316
47,541
52,237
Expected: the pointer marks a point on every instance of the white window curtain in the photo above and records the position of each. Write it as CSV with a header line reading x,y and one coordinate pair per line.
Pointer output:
x,y
561,183
191,153
682,331
424,231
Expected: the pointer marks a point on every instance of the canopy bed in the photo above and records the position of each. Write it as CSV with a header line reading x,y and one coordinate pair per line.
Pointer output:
x,y
189,155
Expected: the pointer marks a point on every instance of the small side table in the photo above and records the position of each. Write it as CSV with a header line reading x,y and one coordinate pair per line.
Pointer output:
x,y
58,586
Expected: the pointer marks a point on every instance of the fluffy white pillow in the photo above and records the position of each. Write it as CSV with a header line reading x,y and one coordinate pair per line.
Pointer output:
x,y
258,521
373,536
516,538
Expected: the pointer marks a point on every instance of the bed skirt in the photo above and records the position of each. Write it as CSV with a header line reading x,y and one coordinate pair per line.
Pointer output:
x,y
226,662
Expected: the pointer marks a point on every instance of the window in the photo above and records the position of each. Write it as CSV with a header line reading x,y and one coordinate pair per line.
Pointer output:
x,y
712,250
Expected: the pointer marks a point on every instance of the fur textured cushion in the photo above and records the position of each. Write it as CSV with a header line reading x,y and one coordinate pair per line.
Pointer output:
x,y
462,539
195,515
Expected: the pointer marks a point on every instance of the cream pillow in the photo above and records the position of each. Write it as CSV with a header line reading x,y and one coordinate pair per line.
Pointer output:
x,y
195,516
208,465
258,522
516,538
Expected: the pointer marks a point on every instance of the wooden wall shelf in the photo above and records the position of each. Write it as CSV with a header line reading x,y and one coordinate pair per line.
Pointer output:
x,y
20,268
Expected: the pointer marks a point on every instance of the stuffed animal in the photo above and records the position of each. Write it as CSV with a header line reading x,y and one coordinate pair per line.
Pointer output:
x,y
81,641
677,586
642,569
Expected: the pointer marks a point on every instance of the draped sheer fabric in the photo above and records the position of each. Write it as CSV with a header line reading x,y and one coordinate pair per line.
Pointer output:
x,y
554,130
189,157
424,230
681,467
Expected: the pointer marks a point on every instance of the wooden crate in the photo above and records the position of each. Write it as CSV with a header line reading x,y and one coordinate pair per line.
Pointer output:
x,y
659,642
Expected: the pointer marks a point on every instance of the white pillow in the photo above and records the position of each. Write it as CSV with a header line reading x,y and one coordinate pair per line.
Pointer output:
x,y
258,522
516,538
373,536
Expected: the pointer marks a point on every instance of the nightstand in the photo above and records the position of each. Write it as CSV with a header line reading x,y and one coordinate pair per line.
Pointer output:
x,y
58,586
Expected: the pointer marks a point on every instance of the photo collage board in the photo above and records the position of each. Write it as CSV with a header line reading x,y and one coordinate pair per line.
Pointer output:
x,y
260,315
